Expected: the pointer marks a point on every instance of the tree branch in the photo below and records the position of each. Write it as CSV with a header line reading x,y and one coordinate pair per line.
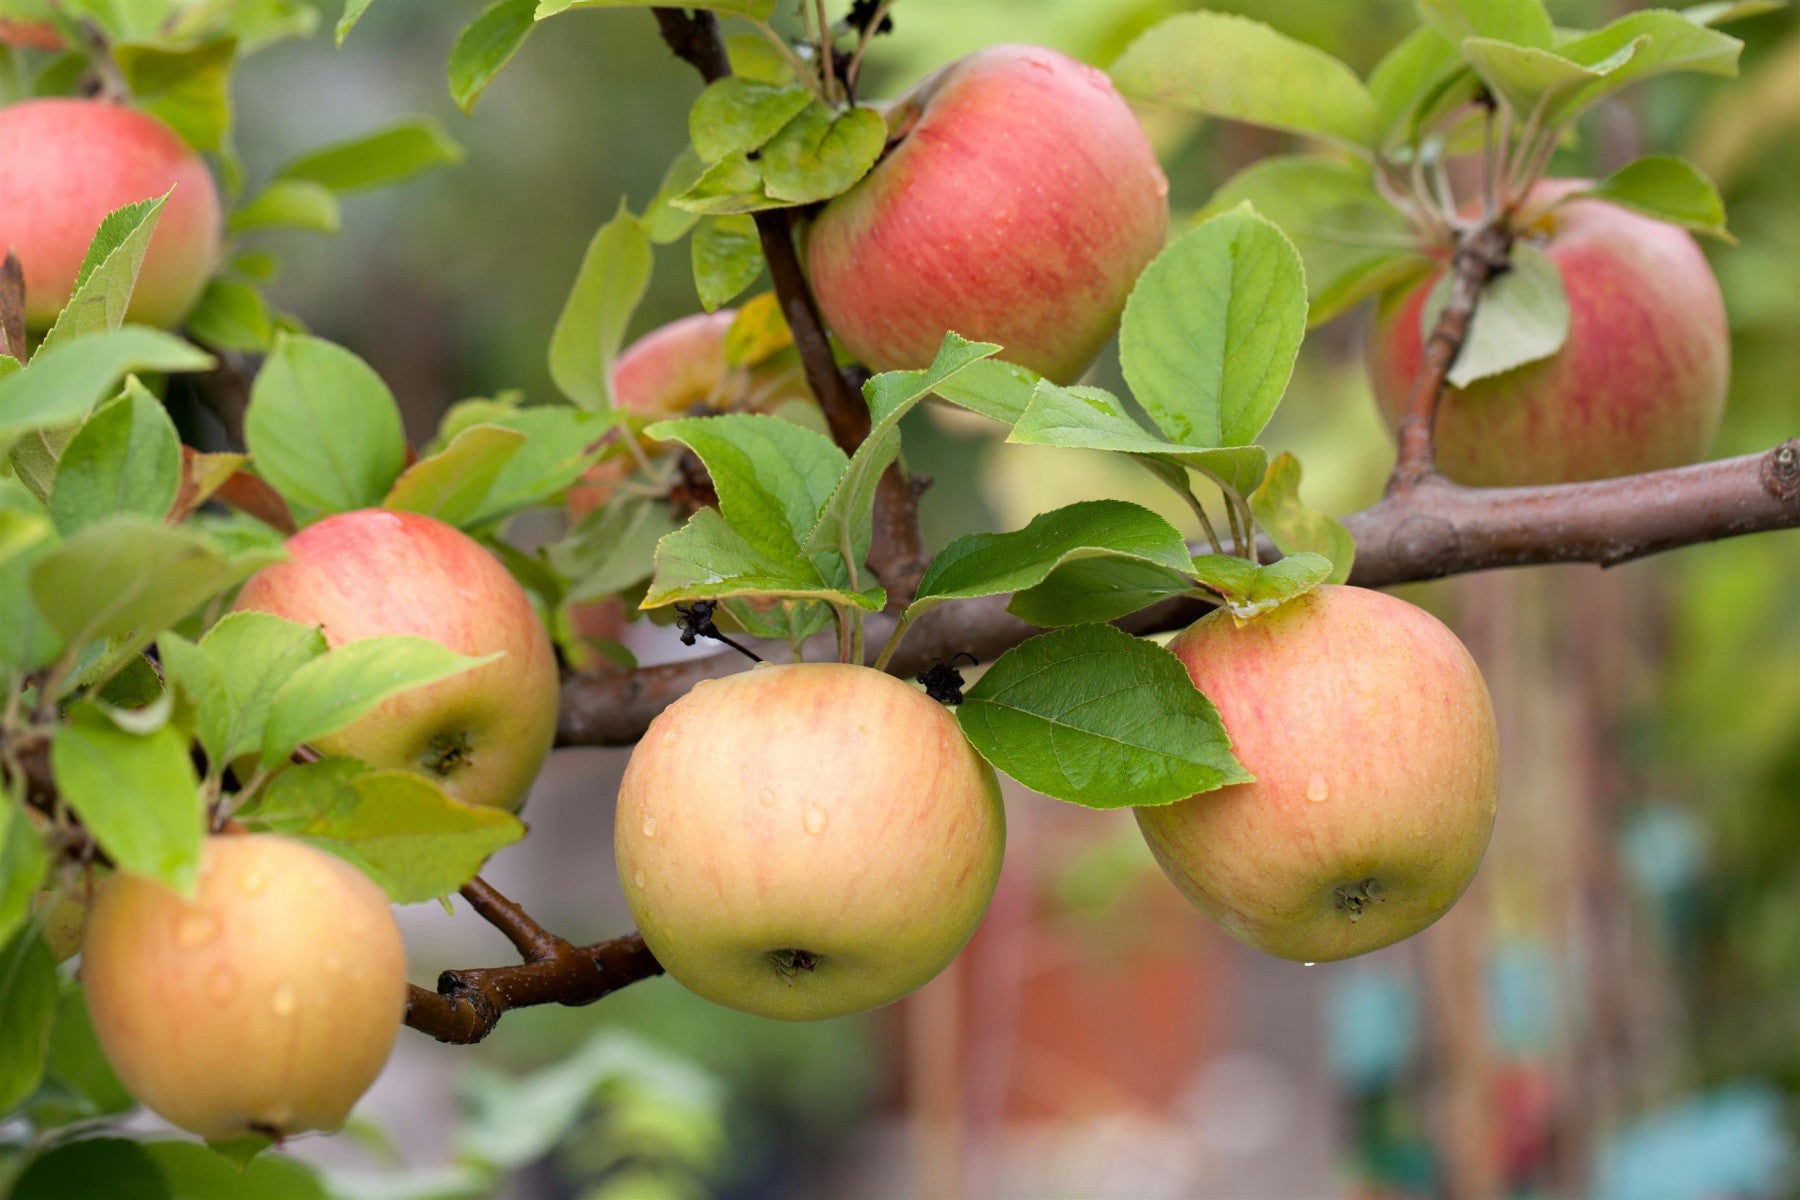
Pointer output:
x,y
896,552
12,307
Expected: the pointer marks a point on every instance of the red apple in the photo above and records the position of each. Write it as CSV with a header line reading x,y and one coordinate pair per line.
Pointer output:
x,y
1368,728
26,33
1017,204
808,840
1639,385
70,162
266,1004
480,735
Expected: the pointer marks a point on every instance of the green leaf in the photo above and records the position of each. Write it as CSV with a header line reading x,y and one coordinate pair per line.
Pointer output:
x,y
755,10
1097,717
844,523
734,184
662,222
232,316
992,388
1296,528
353,11
323,428
1521,22
290,204
611,548
232,676
772,476
1230,66
727,258
485,46
387,156
1670,42
185,84
614,273
987,564
27,640
737,115
1352,242
1724,11
1211,330
1522,316
1667,188
1407,77
27,1008
453,485
333,690
137,796
397,827
76,1060
195,1172
64,383
112,1167
708,559
1083,590
1085,418
125,459
820,153
1529,79
108,272
560,443
1249,589
22,866
131,578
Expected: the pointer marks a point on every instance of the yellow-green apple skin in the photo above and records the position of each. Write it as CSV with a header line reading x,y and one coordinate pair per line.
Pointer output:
x,y
1369,730
1019,206
482,735
67,163
807,840
266,1004
1638,386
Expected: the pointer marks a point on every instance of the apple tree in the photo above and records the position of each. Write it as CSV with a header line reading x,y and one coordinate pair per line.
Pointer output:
x,y
257,688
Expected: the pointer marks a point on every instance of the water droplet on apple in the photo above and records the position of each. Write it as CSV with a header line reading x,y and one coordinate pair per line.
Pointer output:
x,y
222,986
649,825
196,929
1318,788
285,1001
637,879
766,797
814,818
254,880
1309,964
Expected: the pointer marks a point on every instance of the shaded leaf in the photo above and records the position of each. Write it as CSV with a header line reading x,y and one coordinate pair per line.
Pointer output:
x,y
614,273
323,428
1296,528
137,796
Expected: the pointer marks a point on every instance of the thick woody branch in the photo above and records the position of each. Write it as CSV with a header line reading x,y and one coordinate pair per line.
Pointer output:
x,y
469,1003
896,553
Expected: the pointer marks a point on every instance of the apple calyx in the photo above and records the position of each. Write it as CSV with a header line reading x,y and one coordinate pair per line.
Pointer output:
x,y
1354,897
789,962
448,753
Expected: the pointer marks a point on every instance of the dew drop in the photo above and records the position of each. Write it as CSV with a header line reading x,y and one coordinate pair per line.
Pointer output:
x,y
1309,964
254,880
284,1001
1318,788
222,986
766,797
196,929
649,826
814,818
637,879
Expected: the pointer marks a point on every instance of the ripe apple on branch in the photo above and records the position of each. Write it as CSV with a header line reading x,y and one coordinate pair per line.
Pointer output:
x,y
330,676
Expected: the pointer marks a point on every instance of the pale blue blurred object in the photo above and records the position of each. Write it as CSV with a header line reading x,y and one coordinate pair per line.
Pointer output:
x,y
1522,998
1371,1026
1729,1144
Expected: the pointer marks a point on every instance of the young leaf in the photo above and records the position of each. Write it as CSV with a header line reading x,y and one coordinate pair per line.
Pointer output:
x,y
1667,188
1666,41
353,11
1097,717
614,273
396,827
727,258
1085,590
232,676
662,222
186,85
290,204
137,796
820,153
1521,22
986,564
108,272
125,459
560,443
1296,528
1230,66
201,476
1523,316
330,692
22,865
27,1008
1351,241
1250,590
758,332
1406,77
1719,12
323,428
232,316
1211,330
1532,80
707,559
736,115
27,640
453,484
991,388
64,383
734,184
485,46
612,547
377,159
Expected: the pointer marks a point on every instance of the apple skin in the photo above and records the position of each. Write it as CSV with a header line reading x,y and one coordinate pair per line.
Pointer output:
x,y
481,735
1639,385
267,1004
820,808
1369,730
69,163
1019,206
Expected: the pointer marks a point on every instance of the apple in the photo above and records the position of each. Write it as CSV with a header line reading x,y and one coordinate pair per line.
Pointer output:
x,y
69,163
266,1004
1017,203
25,33
807,840
1639,385
1368,728
480,735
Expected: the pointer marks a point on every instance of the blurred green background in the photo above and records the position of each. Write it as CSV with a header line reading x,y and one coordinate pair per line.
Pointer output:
x,y
1613,1011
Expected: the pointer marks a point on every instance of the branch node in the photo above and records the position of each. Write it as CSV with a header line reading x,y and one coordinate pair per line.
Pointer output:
x,y
1781,472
